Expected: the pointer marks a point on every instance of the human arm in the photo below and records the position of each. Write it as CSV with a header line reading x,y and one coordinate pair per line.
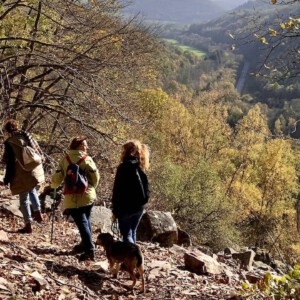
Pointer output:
x,y
92,172
9,160
118,190
58,177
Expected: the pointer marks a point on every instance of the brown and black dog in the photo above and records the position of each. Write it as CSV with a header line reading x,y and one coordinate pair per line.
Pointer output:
x,y
123,252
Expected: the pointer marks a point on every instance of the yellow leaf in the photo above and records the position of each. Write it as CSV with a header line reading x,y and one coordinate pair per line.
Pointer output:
x,y
291,24
263,40
273,32
298,20
282,25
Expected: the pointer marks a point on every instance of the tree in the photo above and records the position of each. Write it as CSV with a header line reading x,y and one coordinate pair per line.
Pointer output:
x,y
277,33
69,66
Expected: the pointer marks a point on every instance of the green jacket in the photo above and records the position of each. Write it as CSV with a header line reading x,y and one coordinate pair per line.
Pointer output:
x,y
92,173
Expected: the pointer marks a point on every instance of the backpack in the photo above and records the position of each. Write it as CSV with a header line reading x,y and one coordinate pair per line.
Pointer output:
x,y
144,186
75,179
30,159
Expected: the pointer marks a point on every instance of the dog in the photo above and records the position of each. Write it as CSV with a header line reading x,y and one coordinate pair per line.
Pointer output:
x,y
123,253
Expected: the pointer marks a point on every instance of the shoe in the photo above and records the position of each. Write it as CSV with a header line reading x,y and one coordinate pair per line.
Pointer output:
x,y
37,216
26,229
78,248
86,256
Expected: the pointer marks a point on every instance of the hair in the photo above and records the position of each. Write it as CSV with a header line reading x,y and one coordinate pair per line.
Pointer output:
x,y
11,126
77,141
137,149
145,157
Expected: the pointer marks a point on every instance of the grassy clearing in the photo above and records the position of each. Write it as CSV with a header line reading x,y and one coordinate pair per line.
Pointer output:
x,y
196,52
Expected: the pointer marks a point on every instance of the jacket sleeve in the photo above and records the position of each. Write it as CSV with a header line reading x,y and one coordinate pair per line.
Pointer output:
x,y
118,189
58,176
92,172
9,160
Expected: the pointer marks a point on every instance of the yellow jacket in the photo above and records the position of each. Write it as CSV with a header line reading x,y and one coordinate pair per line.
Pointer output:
x,y
92,173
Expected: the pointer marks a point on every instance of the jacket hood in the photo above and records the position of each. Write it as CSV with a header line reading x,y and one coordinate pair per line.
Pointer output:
x,y
75,154
132,160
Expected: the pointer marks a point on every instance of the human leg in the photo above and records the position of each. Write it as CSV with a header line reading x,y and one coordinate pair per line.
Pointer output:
x,y
25,206
80,218
36,205
134,223
128,226
25,209
34,199
125,230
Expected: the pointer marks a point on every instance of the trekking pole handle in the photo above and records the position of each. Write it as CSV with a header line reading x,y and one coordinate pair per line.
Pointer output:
x,y
53,194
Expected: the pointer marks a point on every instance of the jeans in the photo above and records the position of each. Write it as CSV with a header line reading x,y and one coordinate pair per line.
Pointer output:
x,y
128,225
81,217
25,199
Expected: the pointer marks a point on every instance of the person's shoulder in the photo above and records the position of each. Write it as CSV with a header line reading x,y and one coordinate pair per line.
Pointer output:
x,y
88,159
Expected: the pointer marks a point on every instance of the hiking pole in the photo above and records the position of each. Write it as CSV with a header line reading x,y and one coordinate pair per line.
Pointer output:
x,y
53,196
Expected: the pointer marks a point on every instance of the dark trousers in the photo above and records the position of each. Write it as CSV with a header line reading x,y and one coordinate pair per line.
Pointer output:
x,y
128,225
81,217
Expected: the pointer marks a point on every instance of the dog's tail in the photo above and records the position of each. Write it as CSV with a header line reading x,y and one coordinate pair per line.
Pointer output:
x,y
139,257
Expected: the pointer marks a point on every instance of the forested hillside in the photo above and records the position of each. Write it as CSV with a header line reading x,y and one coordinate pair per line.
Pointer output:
x,y
221,162
176,11
266,37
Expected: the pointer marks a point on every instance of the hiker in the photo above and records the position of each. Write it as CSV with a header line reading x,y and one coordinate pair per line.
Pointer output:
x,y
79,201
130,190
20,180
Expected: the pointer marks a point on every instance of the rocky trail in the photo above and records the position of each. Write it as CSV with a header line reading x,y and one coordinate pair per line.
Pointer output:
x,y
33,268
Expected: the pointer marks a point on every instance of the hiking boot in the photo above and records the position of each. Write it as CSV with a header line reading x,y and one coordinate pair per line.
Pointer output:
x,y
26,229
37,216
86,256
78,248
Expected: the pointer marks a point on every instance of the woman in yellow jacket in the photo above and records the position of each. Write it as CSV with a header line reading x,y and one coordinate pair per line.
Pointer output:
x,y
80,205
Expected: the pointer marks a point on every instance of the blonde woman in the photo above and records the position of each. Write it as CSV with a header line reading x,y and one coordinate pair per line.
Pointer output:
x,y
131,188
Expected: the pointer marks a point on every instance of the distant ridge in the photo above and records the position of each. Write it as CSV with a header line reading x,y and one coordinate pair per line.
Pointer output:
x,y
177,11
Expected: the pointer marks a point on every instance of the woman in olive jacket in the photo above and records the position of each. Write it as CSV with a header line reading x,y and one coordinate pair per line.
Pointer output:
x,y
130,191
22,182
79,206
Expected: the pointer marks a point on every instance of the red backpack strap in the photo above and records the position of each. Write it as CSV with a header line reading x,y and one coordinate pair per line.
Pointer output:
x,y
68,159
81,160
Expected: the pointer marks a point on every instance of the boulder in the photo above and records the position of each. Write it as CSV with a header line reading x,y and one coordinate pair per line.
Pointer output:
x,y
200,263
158,226
262,266
3,236
246,258
13,207
101,218
262,255
229,251
183,238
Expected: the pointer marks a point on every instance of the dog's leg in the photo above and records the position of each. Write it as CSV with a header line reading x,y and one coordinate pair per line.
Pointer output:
x,y
116,270
141,272
130,266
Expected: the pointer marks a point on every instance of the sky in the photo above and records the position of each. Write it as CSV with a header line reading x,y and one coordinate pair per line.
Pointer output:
x,y
229,4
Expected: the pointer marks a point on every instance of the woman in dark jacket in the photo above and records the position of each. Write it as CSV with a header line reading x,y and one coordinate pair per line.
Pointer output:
x,y
130,191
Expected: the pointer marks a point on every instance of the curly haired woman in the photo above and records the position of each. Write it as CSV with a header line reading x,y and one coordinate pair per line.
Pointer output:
x,y
130,191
